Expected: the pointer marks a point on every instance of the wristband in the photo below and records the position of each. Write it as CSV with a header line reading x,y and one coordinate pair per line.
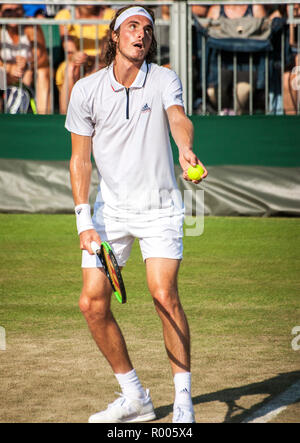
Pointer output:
x,y
83,218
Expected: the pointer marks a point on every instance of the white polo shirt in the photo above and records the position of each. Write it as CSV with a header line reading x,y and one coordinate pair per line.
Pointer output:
x,y
130,137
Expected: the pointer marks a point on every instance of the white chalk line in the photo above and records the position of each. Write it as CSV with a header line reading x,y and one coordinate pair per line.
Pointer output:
x,y
274,407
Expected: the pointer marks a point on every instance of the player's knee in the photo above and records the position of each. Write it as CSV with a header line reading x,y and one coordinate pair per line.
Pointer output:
x,y
166,300
93,307
84,304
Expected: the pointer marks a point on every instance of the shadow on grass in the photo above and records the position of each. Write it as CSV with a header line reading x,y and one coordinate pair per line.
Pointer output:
x,y
272,387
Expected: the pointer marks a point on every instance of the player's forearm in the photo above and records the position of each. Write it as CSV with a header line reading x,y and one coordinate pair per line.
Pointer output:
x,y
80,173
184,137
81,168
182,131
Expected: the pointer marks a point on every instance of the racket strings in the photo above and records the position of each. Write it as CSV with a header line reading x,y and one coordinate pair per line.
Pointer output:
x,y
112,271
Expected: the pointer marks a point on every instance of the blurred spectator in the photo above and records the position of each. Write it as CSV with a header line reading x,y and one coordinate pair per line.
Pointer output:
x,y
274,11
32,10
66,67
291,80
243,85
291,76
163,32
17,57
89,34
90,43
200,11
294,28
236,11
41,10
163,35
69,71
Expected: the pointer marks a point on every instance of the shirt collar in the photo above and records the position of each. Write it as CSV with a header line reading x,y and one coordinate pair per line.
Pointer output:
x,y
139,81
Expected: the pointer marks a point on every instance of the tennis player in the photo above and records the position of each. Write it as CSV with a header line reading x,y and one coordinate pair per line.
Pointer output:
x,y
123,114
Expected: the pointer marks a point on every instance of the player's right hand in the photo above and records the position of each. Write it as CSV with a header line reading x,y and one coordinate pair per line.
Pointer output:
x,y
86,238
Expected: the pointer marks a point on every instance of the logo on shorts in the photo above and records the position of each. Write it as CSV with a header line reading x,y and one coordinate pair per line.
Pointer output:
x,y
146,108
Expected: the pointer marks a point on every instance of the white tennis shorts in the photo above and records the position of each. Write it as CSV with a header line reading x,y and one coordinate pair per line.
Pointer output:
x,y
159,234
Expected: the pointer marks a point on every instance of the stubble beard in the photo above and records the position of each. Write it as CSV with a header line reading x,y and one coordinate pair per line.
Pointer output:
x,y
131,59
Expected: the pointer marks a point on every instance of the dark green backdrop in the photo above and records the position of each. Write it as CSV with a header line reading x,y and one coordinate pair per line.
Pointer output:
x,y
253,165
245,140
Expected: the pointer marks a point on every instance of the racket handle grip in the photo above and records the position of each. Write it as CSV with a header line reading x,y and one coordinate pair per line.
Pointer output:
x,y
95,247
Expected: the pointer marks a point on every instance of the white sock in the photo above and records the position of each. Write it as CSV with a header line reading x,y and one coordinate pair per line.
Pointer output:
x,y
131,385
182,382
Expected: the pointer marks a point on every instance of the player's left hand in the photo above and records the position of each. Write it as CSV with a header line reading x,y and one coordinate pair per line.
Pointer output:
x,y
187,159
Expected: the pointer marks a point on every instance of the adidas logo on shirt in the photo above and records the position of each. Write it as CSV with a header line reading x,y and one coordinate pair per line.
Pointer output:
x,y
146,108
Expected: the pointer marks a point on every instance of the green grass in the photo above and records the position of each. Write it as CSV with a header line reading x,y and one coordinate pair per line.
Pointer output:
x,y
241,276
239,285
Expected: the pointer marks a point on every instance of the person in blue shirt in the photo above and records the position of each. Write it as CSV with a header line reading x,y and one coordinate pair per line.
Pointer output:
x,y
32,10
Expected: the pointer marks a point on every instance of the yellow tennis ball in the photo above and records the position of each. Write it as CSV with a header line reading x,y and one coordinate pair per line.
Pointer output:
x,y
195,173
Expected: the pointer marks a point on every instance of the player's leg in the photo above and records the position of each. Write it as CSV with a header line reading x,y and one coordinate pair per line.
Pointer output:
x,y
135,403
94,303
162,281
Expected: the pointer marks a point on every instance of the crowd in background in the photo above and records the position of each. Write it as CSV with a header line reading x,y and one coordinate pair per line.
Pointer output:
x,y
262,22
78,50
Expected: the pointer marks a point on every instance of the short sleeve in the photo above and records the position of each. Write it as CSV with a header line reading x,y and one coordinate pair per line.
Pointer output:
x,y
172,90
78,118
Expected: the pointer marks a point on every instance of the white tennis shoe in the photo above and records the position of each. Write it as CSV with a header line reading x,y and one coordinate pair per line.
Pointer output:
x,y
126,410
182,414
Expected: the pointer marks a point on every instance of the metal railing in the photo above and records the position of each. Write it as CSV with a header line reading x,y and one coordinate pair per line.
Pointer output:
x,y
183,55
273,101
50,26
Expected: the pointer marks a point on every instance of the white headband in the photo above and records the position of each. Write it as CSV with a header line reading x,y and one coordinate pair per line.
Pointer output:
x,y
135,10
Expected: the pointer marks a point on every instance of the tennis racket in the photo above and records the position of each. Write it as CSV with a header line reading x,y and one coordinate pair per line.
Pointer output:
x,y
112,270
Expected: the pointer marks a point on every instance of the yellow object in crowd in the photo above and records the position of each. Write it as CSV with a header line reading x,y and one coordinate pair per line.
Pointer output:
x,y
87,32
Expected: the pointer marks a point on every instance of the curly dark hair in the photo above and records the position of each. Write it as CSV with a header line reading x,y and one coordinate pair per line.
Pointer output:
x,y
112,46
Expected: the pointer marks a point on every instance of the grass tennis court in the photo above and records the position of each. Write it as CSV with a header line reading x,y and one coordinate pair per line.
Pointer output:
x,y
239,285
